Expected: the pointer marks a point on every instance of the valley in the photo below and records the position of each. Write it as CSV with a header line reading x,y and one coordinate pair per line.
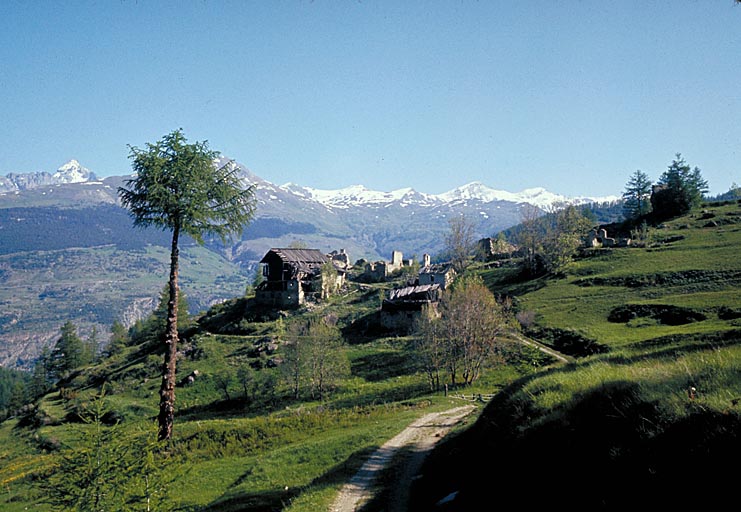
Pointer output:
x,y
68,251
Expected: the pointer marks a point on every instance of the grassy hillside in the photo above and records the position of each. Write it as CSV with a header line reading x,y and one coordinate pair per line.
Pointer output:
x,y
646,415
651,418
242,441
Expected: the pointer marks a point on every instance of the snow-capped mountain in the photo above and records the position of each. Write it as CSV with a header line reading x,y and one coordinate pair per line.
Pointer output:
x,y
358,195
368,223
71,172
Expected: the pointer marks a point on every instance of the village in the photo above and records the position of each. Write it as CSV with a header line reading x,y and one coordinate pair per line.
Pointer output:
x,y
294,276
291,277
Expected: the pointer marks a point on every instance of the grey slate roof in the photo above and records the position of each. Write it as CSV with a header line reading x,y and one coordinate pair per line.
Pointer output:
x,y
437,268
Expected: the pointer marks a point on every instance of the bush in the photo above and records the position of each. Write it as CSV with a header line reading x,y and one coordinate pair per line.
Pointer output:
x,y
665,314
567,342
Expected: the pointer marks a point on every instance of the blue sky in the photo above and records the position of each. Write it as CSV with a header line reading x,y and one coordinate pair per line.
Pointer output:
x,y
573,96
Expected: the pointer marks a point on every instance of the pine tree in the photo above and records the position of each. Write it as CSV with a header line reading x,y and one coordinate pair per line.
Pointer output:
x,y
68,352
680,189
118,340
42,375
637,196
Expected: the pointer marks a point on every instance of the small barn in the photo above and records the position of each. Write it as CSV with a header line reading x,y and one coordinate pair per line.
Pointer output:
x,y
404,304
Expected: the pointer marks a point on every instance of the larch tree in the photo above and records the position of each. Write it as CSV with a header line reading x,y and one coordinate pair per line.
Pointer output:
x,y
177,187
530,236
430,346
69,351
565,226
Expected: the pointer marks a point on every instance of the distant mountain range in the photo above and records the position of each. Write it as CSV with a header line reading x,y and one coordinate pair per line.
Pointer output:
x,y
65,223
367,223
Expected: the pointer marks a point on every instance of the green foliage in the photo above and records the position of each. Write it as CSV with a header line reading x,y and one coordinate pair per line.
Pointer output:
x,y
12,390
69,351
465,338
178,188
108,468
150,331
565,229
119,339
637,196
314,357
680,189
272,452
733,194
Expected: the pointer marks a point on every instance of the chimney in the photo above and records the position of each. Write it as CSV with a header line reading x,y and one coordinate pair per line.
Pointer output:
x,y
425,260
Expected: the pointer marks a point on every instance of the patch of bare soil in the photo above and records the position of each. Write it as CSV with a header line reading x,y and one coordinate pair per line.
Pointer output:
x,y
421,435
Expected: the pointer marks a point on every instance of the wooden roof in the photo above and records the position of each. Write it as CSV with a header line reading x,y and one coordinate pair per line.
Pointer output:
x,y
297,256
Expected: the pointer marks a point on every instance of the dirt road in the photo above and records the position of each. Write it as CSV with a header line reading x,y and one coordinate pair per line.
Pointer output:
x,y
420,435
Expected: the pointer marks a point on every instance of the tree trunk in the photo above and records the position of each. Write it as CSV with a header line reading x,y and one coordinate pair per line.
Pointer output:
x,y
167,389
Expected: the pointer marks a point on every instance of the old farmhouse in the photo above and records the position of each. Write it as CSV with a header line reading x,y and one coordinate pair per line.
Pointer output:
x,y
292,274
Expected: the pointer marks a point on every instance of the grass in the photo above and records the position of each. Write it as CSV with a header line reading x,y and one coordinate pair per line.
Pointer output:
x,y
265,450
655,416
600,429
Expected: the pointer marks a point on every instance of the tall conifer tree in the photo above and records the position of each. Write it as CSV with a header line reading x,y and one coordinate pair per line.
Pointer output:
x,y
178,188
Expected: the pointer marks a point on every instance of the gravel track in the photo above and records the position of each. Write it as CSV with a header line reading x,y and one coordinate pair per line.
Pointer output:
x,y
421,436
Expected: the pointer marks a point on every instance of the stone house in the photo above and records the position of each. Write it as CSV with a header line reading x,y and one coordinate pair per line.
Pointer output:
x,y
490,249
440,273
292,274
599,238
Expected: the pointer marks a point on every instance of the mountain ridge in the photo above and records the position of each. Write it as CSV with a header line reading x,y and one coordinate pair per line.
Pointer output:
x,y
353,195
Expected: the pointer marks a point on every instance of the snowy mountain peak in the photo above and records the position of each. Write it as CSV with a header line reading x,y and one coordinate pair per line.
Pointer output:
x,y
353,195
73,172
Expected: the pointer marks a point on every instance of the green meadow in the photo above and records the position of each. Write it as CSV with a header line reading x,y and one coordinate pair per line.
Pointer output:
x,y
653,391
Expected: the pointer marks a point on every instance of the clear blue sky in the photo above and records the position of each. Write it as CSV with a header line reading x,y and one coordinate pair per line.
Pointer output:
x,y
573,95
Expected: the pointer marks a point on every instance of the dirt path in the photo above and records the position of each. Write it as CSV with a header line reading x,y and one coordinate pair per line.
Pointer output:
x,y
541,347
422,435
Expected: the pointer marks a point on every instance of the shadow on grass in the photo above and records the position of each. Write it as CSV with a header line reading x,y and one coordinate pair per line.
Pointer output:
x,y
382,366
607,449
278,499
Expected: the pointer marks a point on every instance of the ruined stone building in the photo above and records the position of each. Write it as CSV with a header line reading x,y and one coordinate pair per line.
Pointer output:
x,y
404,304
599,238
380,270
489,249
440,273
